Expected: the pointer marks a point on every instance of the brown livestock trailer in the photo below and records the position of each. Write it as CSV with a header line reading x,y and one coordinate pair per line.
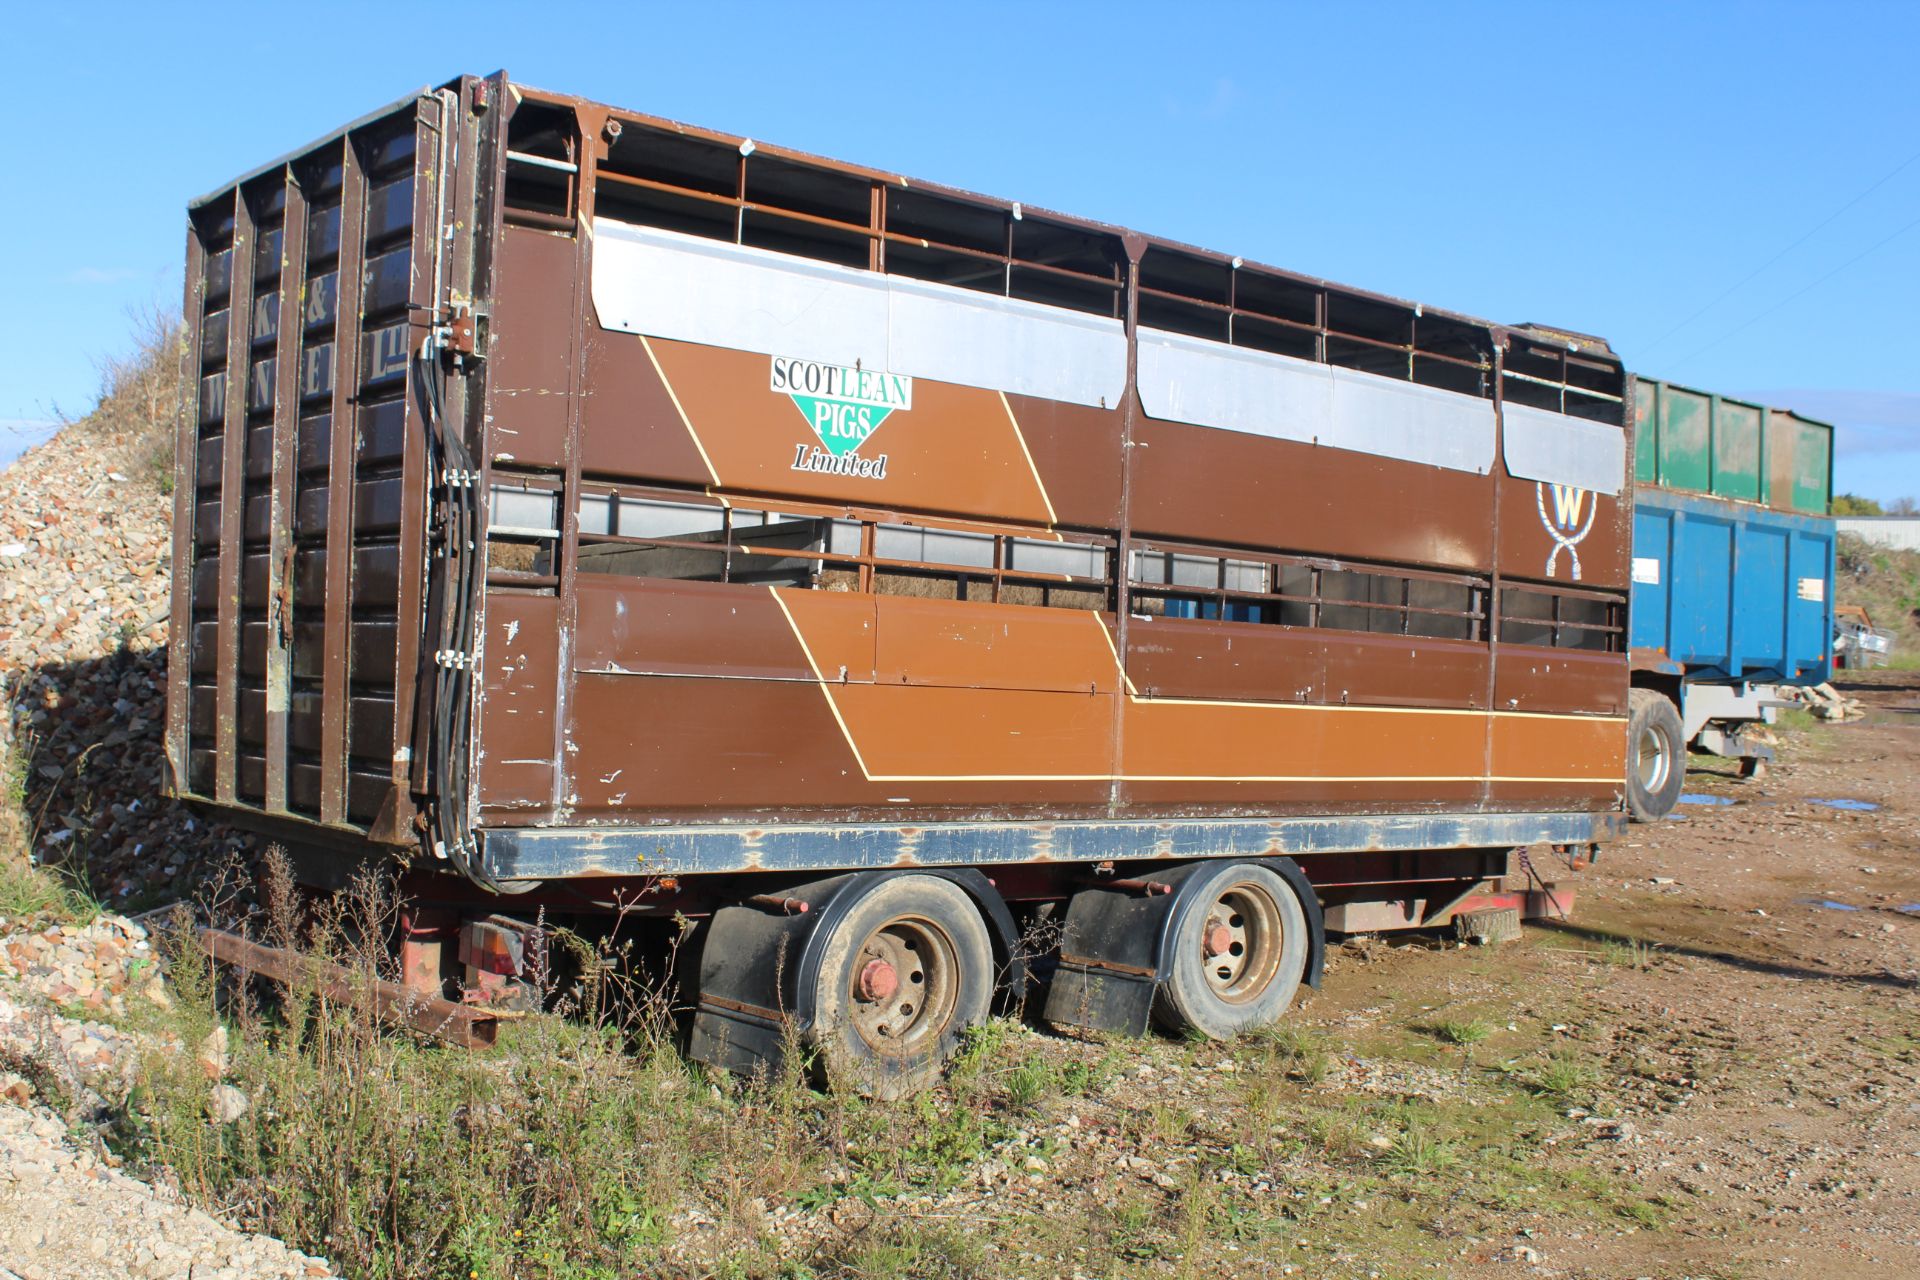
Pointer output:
x,y
576,508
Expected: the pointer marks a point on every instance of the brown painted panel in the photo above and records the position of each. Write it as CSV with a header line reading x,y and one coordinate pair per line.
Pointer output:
x,y
991,646
1572,750
647,627
1527,678
1244,661
957,450
1284,742
1578,797
530,352
1400,671
837,629
685,744
1217,797
1204,485
1077,451
914,733
515,730
1603,549
629,424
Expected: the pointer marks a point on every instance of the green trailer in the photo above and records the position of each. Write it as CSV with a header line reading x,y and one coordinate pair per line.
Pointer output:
x,y
1698,442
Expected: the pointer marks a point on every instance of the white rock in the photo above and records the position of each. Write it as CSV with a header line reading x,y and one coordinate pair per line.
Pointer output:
x,y
226,1104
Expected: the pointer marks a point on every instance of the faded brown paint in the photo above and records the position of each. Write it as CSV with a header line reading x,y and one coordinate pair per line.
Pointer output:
x,y
1207,485
956,450
1605,553
533,343
629,423
622,700
519,679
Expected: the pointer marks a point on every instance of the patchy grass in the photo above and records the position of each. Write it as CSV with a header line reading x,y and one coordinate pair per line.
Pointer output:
x,y
1464,1032
43,894
588,1147
1630,953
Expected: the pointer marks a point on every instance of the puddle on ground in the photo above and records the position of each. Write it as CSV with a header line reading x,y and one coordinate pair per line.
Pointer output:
x,y
1910,909
1851,806
1828,903
1701,797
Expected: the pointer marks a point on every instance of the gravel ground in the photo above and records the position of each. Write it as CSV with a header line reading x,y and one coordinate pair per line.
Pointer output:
x,y
65,1215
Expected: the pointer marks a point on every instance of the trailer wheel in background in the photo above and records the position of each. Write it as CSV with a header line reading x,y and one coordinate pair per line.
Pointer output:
x,y
902,975
1656,757
1240,951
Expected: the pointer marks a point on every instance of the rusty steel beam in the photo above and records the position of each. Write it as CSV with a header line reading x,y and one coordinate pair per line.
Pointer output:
x,y
283,431
350,263
233,498
457,1024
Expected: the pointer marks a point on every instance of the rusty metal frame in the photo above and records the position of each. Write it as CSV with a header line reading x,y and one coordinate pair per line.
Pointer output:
x,y
350,264
289,343
457,1024
233,480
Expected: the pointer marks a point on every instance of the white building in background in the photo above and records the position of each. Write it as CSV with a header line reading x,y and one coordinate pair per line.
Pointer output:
x,y
1899,533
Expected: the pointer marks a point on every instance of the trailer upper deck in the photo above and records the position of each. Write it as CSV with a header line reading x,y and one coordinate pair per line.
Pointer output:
x,y
597,475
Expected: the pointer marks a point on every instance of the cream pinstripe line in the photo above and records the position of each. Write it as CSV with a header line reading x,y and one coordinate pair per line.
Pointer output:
x,y
684,419
1027,453
1132,697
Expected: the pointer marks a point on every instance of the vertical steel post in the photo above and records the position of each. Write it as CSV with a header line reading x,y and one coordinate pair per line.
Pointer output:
x,y
283,432
233,497
343,431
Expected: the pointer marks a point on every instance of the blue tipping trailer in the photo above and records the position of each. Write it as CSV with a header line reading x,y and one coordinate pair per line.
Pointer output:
x,y
1731,600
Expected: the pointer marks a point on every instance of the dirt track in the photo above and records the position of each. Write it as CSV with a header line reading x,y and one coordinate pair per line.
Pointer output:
x,y
1766,1045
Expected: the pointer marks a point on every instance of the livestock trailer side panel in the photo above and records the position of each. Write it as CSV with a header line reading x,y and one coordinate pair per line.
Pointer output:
x,y
629,515
682,481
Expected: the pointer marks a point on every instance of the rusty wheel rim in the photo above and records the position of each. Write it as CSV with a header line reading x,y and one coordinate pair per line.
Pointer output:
x,y
1241,940
904,986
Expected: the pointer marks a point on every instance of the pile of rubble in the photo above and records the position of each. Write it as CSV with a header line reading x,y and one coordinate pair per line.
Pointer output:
x,y
94,967
1826,702
84,582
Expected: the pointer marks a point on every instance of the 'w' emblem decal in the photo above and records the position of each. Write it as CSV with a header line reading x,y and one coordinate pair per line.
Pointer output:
x,y
1563,522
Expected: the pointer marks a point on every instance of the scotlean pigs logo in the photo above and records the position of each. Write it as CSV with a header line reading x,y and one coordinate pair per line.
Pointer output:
x,y
1562,519
844,406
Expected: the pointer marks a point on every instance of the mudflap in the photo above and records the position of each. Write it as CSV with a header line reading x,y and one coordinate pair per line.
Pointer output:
x,y
759,968
1115,945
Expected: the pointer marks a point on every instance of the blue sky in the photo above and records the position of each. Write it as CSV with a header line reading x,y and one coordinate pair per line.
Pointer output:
x,y
1716,189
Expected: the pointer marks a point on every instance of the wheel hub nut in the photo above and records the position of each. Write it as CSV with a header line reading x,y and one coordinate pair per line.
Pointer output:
x,y
878,981
1219,939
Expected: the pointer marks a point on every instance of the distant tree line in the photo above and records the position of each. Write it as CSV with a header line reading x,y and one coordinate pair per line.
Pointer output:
x,y
1851,504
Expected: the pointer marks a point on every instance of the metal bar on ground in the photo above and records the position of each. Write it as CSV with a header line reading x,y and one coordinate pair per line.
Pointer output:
x,y
457,1024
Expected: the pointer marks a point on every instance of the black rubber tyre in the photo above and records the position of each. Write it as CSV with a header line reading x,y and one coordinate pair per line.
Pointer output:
x,y
905,972
1656,757
1240,950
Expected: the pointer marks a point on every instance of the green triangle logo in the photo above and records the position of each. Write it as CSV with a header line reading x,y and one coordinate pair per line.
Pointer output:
x,y
842,425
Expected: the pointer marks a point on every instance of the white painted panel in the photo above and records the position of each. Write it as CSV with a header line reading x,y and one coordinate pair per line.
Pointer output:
x,y
1211,384
1542,445
1405,420
668,285
950,334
